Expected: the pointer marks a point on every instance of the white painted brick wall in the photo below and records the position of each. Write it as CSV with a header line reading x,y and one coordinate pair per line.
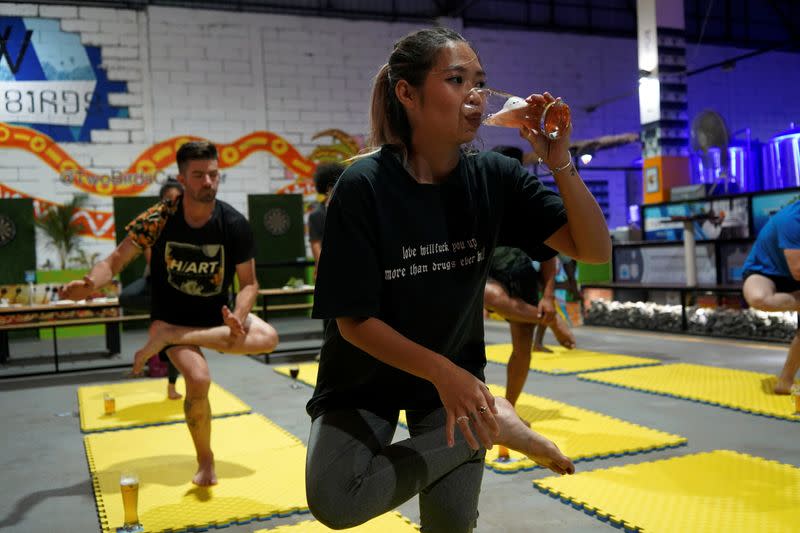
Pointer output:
x,y
80,25
99,13
18,10
107,136
60,12
99,39
128,124
120,28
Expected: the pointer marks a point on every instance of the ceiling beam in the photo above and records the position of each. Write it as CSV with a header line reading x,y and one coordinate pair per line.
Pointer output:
x,y
785,21
457,12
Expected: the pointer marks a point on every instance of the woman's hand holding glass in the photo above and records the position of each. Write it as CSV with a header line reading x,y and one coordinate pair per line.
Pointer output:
x,y
554,152
469,405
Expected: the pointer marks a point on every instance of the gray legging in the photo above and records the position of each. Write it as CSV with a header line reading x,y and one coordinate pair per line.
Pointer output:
x,y
354,473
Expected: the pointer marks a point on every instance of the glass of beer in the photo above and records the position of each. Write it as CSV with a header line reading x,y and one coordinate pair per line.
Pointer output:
x,y
129,488
109,404
294,372
499,108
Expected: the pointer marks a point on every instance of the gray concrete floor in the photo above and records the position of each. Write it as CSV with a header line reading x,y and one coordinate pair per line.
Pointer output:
x,y
46,487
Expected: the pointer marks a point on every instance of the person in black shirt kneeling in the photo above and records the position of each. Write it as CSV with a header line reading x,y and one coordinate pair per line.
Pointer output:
x,y
408,233
197,244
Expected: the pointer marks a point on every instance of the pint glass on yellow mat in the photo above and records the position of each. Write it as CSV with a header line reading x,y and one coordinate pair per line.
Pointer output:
x,y
109,404
129,488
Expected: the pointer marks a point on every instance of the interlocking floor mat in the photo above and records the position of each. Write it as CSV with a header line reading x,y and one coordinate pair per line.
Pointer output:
x,y
741,390
307,372
387,523
581,434
143,403
563,362
260,467
712,492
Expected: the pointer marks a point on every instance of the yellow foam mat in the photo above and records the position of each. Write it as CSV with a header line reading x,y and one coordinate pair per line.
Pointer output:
x,y
260,467
581,434
387,523
741,390
712,492
564,362
307,372
144,402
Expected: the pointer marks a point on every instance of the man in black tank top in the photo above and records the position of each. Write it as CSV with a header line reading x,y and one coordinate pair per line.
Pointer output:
x,y
198,243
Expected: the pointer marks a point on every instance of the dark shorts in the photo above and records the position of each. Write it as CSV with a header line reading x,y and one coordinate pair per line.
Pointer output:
x,y
782,283
522,283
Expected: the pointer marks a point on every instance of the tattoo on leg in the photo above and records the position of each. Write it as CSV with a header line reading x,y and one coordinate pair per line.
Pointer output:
x,y
191,419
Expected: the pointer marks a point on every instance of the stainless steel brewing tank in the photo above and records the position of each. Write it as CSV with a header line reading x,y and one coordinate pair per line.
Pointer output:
x,y
781,160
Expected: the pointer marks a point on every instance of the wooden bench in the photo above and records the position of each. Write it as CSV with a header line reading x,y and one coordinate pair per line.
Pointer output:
x,y
266,294
269,294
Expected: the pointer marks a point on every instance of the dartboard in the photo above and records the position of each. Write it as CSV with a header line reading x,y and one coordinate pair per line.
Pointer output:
x,y
8,230
277,221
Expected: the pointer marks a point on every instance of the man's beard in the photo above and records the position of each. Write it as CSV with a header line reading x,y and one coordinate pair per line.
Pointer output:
x,y
205,196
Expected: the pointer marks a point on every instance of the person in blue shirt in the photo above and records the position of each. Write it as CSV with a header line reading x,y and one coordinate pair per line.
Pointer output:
x,y
772,278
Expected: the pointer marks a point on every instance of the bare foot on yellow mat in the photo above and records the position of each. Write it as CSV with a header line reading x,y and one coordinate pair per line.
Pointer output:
x,y
541,348
173,394
562,333
783,386
155,343
205,475
515,434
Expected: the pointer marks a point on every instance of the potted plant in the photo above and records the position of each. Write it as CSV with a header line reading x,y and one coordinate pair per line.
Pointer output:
x,y
58,227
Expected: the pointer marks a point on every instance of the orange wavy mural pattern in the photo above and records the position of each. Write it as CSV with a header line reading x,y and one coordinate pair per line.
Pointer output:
x,y
100,224
157,157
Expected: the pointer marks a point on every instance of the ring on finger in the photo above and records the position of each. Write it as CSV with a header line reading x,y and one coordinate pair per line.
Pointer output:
x,y
463,418
482,409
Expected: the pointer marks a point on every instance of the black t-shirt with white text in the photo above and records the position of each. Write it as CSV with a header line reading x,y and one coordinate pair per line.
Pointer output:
x,y
191,269
416,257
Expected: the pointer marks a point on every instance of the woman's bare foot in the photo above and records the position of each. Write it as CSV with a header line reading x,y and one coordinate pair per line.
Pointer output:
x,y
173,394
156,341
205,476
562,333
516,435
783,386
541,348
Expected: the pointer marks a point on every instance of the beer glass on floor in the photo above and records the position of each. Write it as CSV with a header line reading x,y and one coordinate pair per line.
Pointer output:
x,y
293,373
129,488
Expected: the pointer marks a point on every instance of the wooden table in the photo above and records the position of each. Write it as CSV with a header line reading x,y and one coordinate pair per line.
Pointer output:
x,y
284,291
53,316
269,294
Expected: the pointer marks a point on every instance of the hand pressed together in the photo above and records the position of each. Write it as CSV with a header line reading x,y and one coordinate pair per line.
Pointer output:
x,y
233,322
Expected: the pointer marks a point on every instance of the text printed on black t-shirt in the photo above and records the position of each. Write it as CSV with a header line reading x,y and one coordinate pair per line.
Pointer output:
x,y
410,253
